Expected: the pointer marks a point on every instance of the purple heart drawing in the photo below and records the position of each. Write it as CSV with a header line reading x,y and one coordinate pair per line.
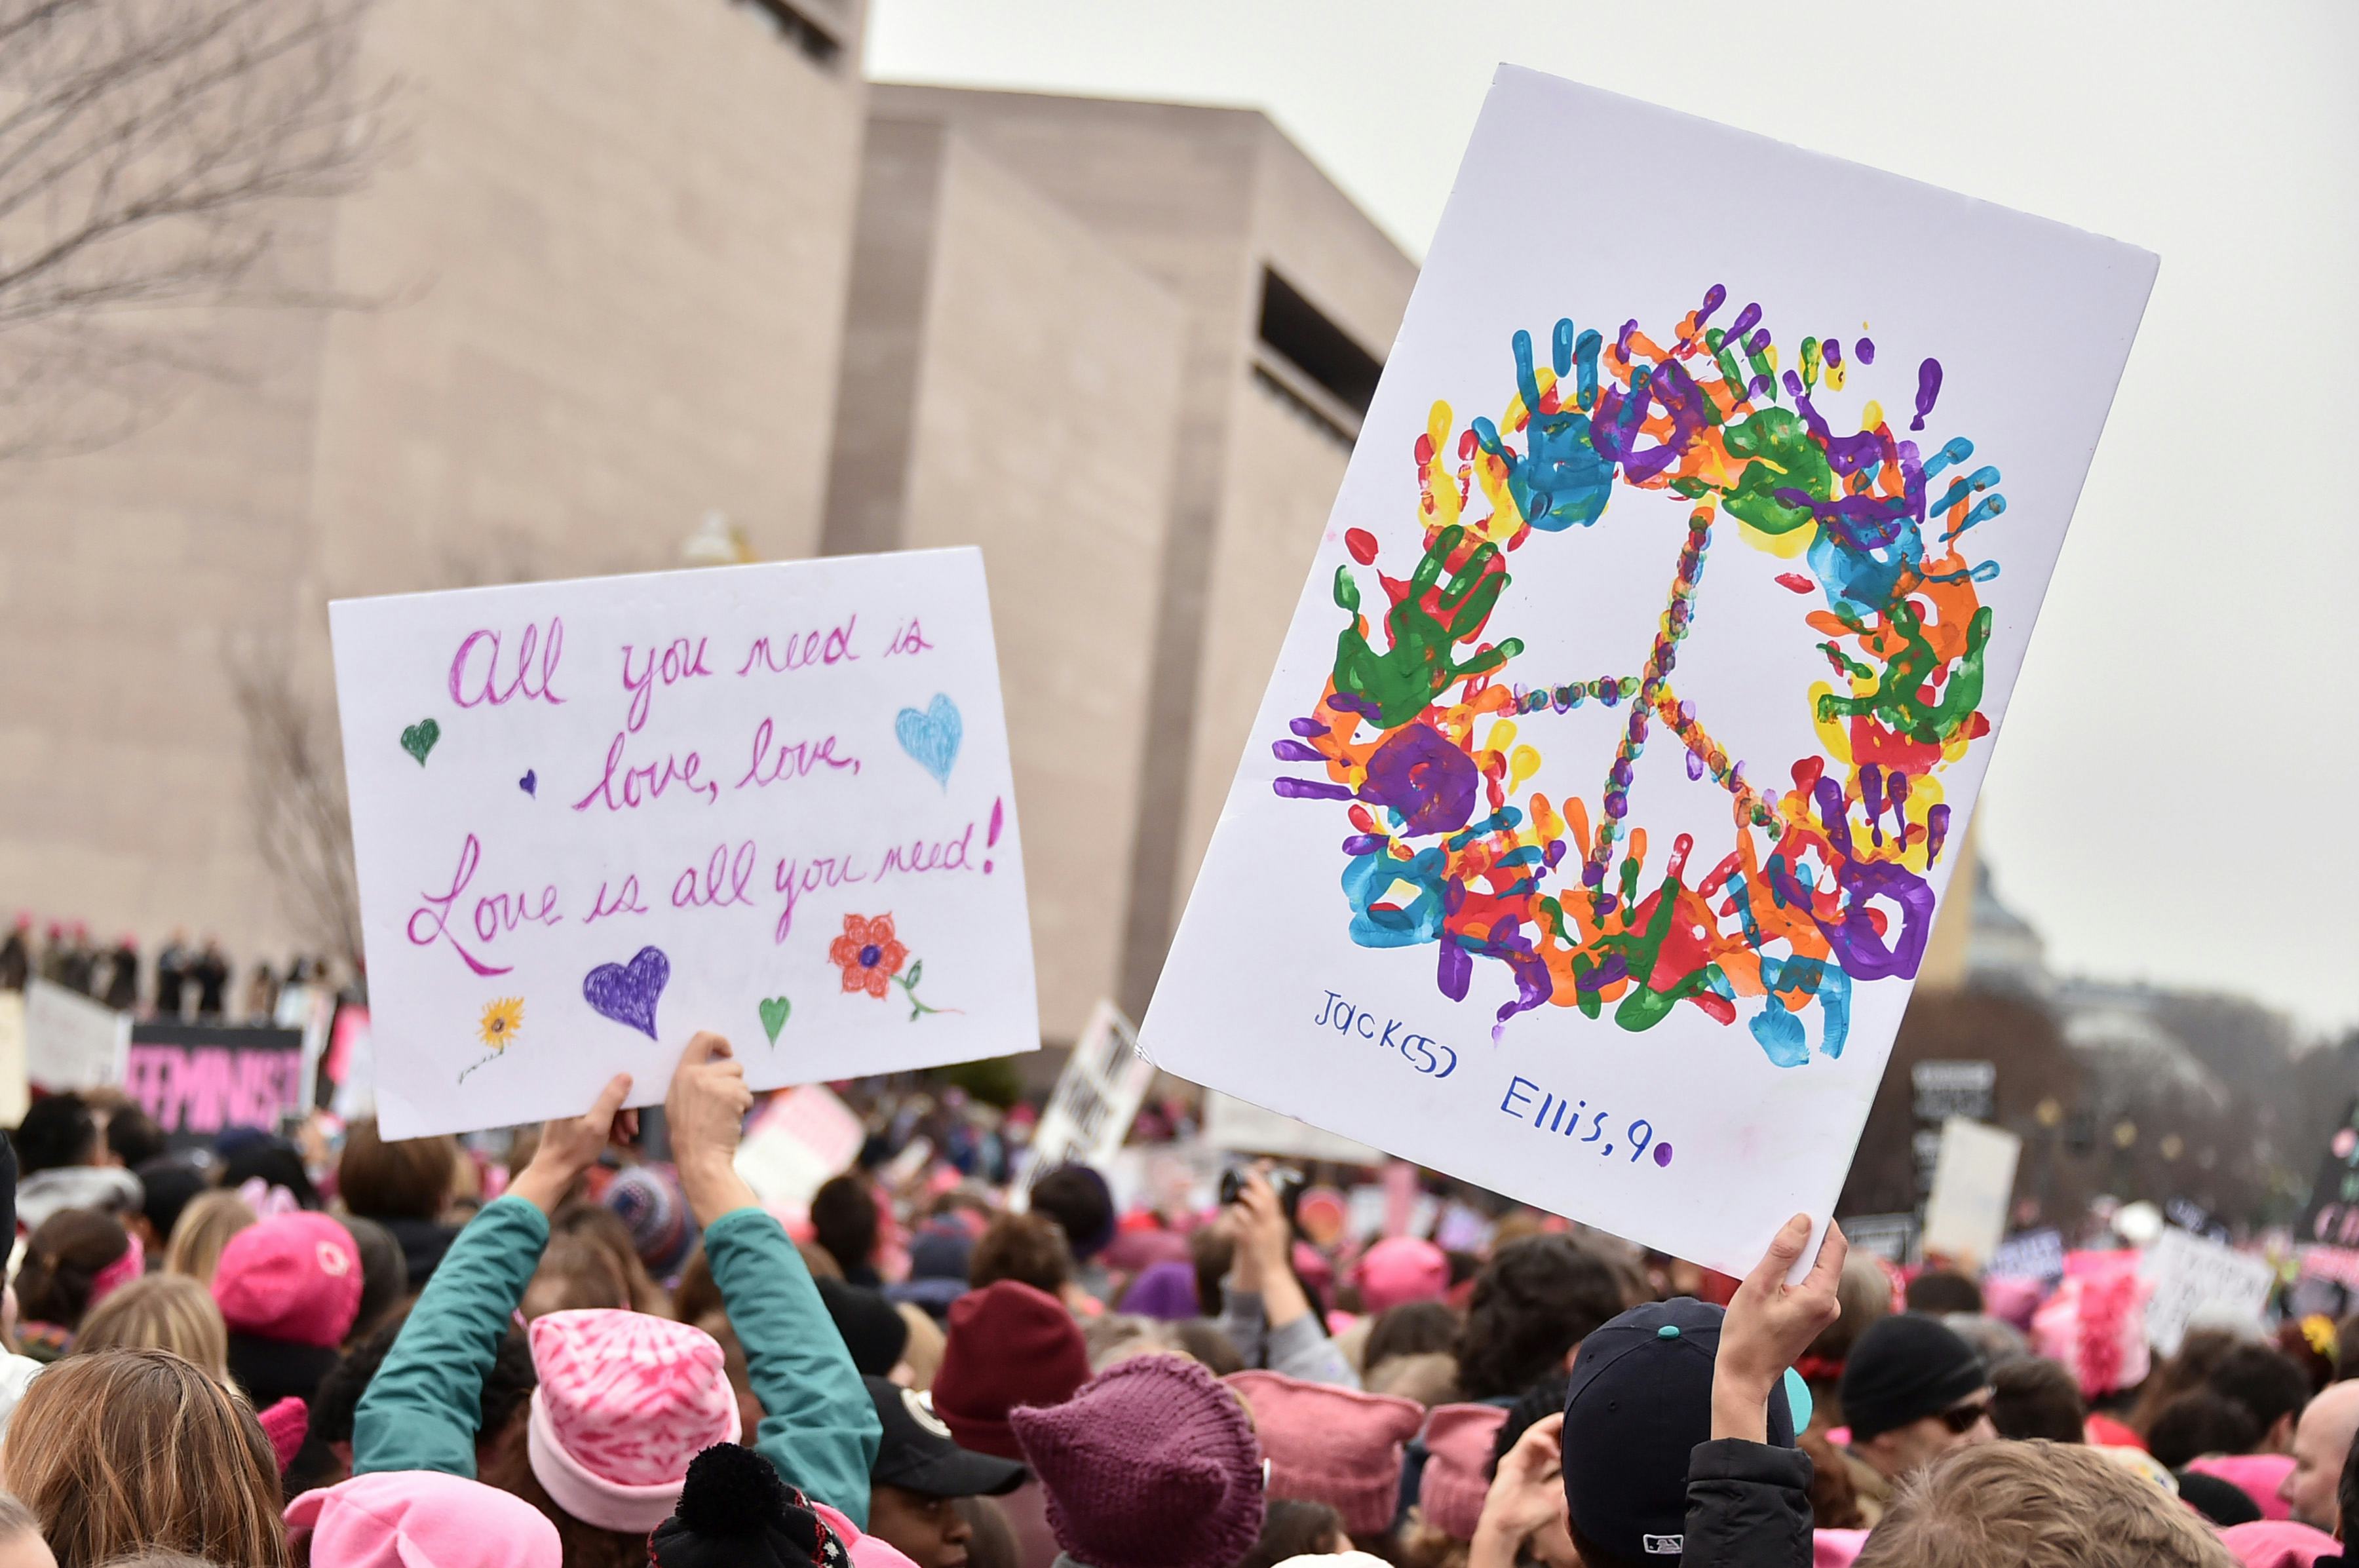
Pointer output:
x,y
626,993
529,783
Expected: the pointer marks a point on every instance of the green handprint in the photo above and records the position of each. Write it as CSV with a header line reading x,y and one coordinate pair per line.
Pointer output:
x,y
1394,686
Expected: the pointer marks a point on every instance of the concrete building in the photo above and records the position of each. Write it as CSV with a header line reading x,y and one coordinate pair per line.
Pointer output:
x,y
606,256
1289,297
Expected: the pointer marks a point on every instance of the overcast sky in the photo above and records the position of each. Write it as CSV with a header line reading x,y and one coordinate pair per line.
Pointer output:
x,y
2176,794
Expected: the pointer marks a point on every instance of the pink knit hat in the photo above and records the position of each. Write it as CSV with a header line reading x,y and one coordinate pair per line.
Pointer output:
x,y
1332,1445
1400,1269
1459,1442
625,1400
2277,1544
295,1277
2257,1476
422,1519
286,1424
1152,1465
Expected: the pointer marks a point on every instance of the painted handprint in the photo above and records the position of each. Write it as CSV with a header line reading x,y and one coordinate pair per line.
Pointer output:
x,y
1562,481
1424,625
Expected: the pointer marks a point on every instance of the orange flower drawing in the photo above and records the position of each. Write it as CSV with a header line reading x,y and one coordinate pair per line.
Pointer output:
x,y
868,954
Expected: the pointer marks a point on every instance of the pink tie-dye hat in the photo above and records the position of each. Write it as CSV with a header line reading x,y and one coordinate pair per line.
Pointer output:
x,y
625,1400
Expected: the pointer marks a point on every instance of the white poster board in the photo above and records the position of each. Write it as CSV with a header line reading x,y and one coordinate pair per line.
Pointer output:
x,y
2201,1283
1974,1177
70,1042
1096,1098
1243,1128
593,818
1592,828
796,1142
14,1097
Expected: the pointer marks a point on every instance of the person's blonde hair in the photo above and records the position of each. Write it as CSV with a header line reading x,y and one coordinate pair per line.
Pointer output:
x,y
203,1228
160,1312
126,1451
2036,1505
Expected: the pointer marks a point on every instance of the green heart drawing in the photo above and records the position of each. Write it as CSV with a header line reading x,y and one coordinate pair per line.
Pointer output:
x,y
774,1015
420,738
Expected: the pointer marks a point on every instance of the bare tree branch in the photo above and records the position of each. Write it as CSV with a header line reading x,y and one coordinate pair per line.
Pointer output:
x,y
158,155
295,780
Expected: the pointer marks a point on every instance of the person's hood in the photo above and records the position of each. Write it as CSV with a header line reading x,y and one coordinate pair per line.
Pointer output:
x,y
109,1189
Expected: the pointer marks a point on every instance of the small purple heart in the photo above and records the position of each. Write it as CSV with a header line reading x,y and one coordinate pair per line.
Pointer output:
x,y
529,783
626,993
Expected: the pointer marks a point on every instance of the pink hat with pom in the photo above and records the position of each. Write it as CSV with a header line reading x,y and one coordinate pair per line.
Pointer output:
x,y
422,1519
1400,1269
1459,1442
1332,1445
625,1400
293,1278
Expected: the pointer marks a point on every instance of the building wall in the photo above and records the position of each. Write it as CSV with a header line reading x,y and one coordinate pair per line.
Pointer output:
x,y
603,265
1016,384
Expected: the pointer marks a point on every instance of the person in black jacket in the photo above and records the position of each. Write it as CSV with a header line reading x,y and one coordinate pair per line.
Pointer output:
x,y
1676,1446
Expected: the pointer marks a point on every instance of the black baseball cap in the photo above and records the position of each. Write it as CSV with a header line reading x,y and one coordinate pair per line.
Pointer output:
x,y
1639,1403
919,1454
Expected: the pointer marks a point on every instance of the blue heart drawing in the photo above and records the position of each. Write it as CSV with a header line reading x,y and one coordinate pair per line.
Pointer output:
x,y
626,993
529,783
932,737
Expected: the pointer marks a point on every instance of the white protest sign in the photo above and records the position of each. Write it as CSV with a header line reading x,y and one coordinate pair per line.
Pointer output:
x,y
1243,1127
14,1097
2201,1283
1592,829
1096,1098
797,1141
70,1042
593,818
1974,1177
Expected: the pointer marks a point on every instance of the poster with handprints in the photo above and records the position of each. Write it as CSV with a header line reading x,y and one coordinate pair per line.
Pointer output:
x,y
592,818
1589,836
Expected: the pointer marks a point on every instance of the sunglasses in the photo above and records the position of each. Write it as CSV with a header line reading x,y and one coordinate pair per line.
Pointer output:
x,y
1962,1418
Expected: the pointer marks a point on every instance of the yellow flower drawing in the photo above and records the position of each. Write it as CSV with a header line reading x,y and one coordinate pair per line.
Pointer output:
x,y
502,1020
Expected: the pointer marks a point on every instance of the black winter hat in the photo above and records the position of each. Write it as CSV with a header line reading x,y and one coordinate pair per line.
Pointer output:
x,y
1904,1369
1640,1401
871,1329
736,1511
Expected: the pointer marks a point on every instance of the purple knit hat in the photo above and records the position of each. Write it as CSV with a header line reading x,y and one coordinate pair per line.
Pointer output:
x,y
1152,1465
1166,1290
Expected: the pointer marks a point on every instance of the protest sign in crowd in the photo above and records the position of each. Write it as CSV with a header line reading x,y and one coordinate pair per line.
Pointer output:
x,y
1549,1274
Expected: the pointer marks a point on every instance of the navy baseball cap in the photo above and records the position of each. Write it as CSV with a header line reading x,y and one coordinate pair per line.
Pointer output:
x,y
1639,1403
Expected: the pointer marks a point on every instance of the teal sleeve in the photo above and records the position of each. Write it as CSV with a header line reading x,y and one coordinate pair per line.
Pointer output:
x,y
821,1431
422,1407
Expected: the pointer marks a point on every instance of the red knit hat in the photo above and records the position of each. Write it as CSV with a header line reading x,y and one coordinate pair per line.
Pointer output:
x,y
1153,1464
1459,1442
295,1277
1008,1345
1332,1445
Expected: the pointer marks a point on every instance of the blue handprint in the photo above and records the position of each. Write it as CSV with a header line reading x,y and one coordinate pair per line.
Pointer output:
x,y
1562,481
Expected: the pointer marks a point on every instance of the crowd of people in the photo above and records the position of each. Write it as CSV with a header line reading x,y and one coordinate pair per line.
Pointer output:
x,y
189,980
413,1354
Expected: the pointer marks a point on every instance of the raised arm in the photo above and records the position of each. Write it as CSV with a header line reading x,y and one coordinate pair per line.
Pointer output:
x,y
820,1430
421,1409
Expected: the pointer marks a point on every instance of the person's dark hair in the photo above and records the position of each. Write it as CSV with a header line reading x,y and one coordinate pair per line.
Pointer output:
x,y
1028,1247
63,1258
1214,1350
1075,1196
844,1221
1939,1290
407,1178
2034,1397
606,1230
1835,1496
1533,1301
1593,1555
2223,1503
277,1162
58,1131
1541,1400
2346,1490
133,1138
2198,1422
584,1545
1214,1254
2199,1352
165,1185
697,1293
2266,1381
993,1544
1292,1528
1412,1328
384,1274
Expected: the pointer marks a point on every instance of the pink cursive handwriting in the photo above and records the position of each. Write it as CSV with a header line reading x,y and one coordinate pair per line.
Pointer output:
x,y
622,788
436,911
801,650
790,760
909,637
794,879
920,854
625,901
475,680
678,662
726,877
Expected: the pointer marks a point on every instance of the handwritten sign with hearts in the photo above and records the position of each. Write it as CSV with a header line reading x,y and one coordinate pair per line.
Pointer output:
x,y
669,803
